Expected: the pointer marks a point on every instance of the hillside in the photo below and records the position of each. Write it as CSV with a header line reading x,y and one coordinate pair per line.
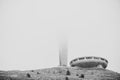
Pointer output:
x,y
61,73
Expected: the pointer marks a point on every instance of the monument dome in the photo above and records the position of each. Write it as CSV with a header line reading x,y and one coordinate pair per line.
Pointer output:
x,y
89,62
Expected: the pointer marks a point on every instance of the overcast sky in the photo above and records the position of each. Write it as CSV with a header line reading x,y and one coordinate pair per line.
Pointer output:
x,y
31,31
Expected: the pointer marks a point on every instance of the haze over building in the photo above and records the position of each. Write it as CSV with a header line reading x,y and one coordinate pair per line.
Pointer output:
x,y
29,28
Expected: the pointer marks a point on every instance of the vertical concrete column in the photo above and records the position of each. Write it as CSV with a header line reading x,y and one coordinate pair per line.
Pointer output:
x,y
63,46
63,55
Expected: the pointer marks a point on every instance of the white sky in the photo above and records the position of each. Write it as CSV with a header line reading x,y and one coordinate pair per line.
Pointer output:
x,y
30,32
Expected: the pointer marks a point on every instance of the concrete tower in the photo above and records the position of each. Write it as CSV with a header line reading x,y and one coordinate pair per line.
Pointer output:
x,y
63,54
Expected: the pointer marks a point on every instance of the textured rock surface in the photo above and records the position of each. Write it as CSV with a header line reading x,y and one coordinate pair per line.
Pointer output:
x,y
61,73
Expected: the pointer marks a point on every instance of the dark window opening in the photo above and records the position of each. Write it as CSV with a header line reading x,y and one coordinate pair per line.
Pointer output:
x,y
88,57
96,58
81,58
106,61
75,60
102,59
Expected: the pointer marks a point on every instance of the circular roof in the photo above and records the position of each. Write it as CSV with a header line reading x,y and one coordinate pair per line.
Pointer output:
x,y
89,62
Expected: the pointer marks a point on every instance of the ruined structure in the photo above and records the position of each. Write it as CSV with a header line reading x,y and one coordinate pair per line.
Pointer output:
x,y
89,62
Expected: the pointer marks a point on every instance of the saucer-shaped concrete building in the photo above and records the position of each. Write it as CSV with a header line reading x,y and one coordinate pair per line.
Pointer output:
x,y
89,62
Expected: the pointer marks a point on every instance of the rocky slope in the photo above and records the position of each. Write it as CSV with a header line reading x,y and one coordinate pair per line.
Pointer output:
x,y
61,73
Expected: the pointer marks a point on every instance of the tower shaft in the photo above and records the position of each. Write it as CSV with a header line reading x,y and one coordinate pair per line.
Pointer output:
x,y
63,55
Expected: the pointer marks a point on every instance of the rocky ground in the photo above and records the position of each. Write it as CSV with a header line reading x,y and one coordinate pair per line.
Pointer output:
x,y
61,73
